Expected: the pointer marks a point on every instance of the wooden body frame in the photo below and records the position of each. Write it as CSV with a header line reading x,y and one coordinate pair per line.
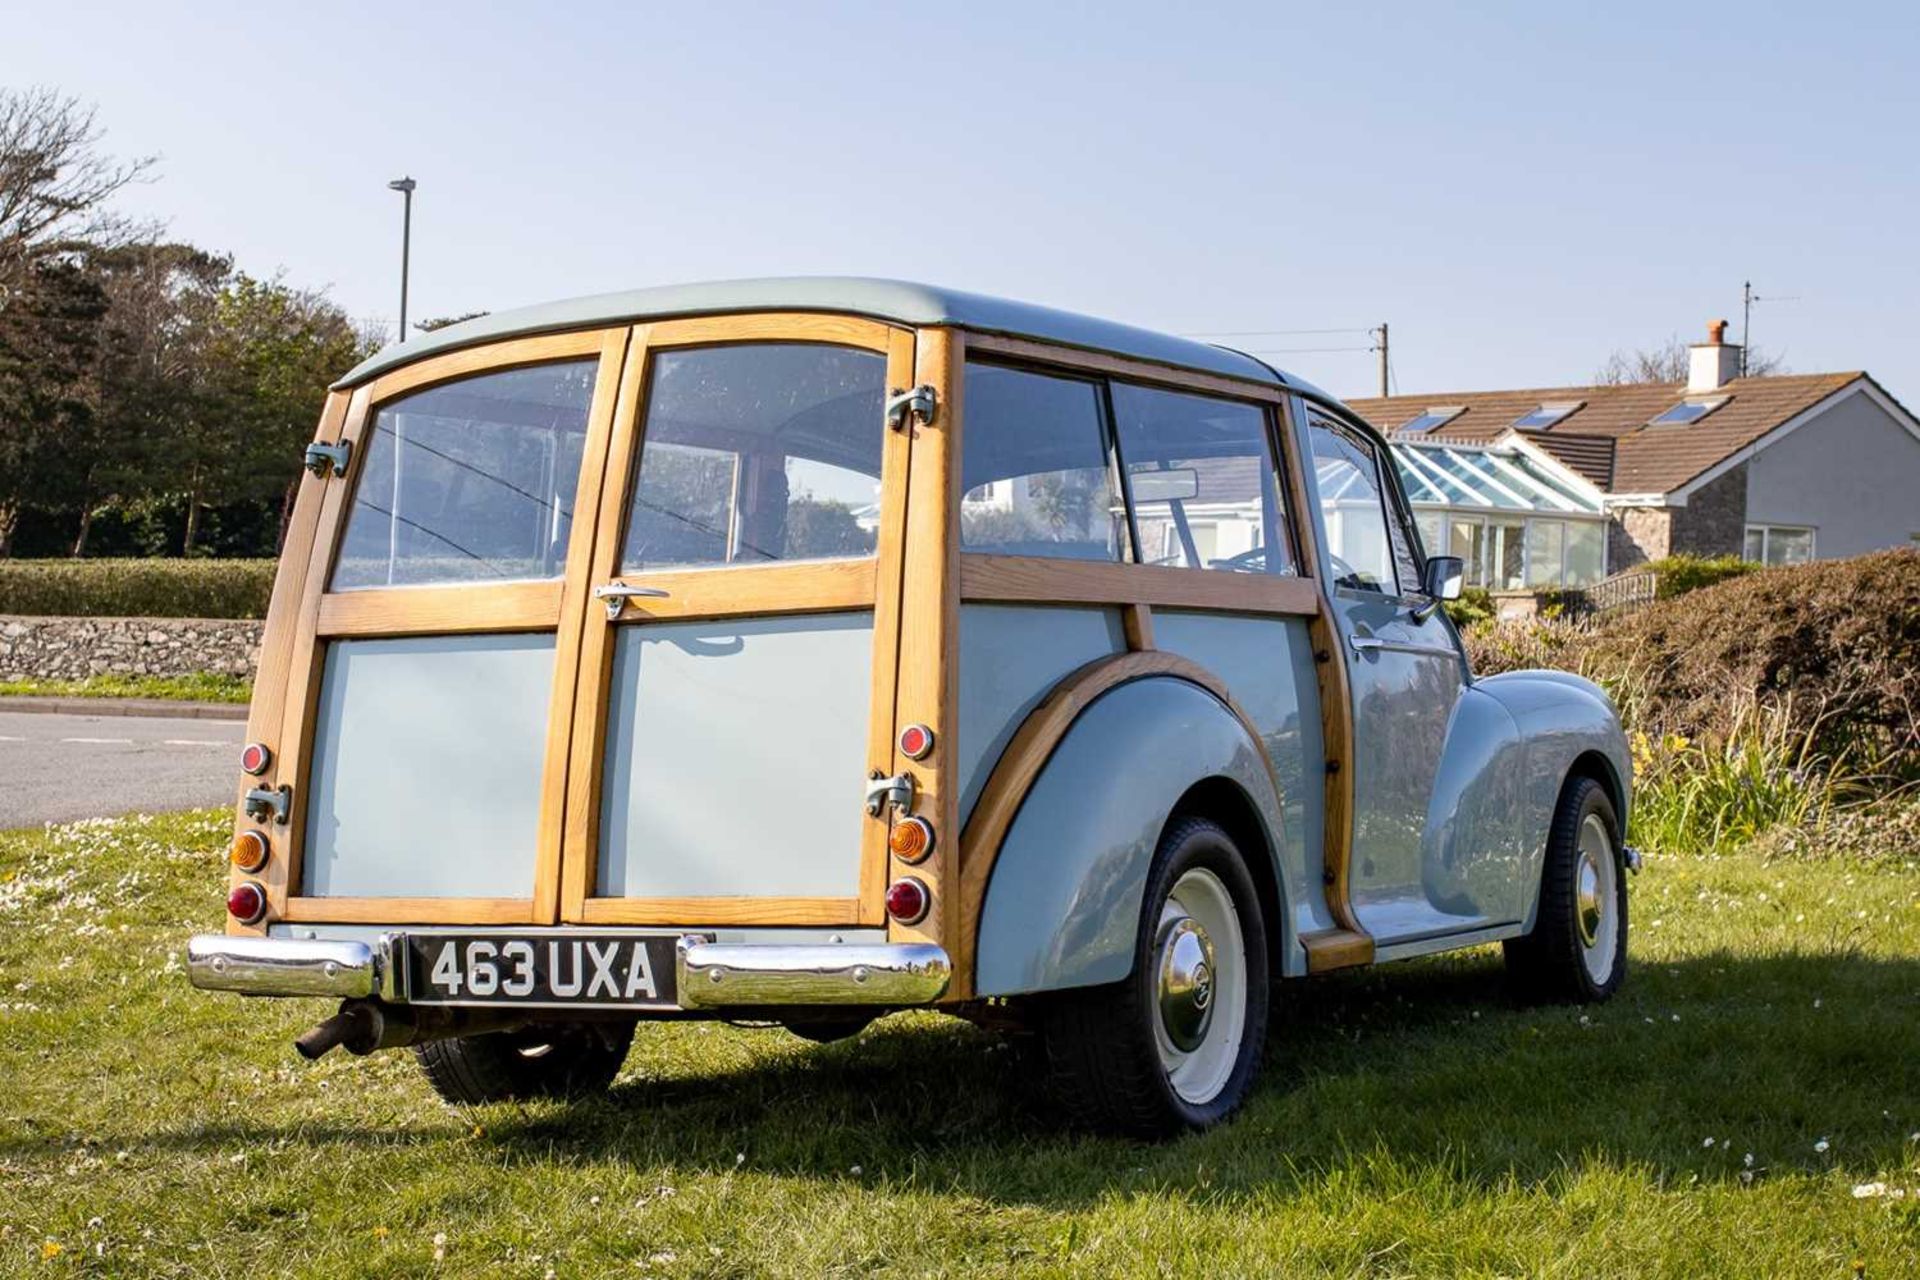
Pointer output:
x,y
915,667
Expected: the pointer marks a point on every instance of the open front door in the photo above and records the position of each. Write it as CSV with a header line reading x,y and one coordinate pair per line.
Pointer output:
x,y
739,655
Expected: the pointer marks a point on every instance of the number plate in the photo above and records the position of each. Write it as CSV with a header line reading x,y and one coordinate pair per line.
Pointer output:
x,y
611,971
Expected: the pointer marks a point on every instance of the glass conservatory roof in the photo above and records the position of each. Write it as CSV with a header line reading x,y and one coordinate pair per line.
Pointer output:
x,y
1487,477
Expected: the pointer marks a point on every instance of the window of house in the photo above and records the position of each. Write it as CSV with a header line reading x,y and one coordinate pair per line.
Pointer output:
x,y
1353,505
1692,409
1046,433
1431,417
1546,415
1778,544
1205,491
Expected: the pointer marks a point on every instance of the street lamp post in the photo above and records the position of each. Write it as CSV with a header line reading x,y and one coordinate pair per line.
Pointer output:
x,y
405,187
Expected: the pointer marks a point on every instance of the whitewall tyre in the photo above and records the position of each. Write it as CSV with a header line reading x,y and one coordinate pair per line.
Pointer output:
x,y
1177,1045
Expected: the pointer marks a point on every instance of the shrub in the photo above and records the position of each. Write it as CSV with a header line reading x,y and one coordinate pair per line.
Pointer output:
x,y
1474,606
137,588
1677,575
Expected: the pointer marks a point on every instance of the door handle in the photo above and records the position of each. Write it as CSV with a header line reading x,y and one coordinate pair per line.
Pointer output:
x,y
616,594
1376,644
1365,644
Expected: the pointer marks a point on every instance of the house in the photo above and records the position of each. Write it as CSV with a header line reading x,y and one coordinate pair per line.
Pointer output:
x,y
1776,469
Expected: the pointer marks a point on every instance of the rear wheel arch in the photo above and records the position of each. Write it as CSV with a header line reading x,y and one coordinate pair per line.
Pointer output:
x,y
1223,801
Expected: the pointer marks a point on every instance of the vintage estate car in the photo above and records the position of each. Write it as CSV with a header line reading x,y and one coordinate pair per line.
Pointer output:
x,y
800,650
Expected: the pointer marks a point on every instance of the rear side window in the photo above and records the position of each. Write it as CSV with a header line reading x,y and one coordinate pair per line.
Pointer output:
x,y
758,452
470,481
1035,468
1205,491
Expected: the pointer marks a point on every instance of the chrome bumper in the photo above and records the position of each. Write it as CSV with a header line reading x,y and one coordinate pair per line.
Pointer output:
x,y
710,975
285,966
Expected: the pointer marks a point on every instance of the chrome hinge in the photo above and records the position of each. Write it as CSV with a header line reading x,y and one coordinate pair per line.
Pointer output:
x,y
322,456
884,793
263,803
920,403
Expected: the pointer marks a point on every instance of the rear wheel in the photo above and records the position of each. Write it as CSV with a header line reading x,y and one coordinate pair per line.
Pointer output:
x,y
1577,951
557,1060
1177,1044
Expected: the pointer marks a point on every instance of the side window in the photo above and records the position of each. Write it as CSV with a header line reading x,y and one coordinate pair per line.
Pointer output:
x,y
469,481
758,452
1364,542
1034,468
1205,491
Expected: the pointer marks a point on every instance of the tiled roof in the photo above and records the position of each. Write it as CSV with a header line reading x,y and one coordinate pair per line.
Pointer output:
x,y
1646,459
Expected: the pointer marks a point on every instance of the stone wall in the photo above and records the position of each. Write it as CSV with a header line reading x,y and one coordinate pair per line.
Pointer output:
x,y
1714,521
1636,535
73,648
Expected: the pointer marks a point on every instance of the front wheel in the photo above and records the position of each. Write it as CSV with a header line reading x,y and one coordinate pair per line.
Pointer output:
x,y
1176,1045
1577,951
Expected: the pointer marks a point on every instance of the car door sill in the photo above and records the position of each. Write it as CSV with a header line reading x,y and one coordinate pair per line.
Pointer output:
x,y
1450,940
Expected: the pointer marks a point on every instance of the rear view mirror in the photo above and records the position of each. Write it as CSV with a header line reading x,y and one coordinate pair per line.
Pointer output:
x,y
1443,578
1165,486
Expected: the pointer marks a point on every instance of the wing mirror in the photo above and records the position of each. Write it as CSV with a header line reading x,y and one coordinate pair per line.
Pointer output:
x,y
1444,575
1441,582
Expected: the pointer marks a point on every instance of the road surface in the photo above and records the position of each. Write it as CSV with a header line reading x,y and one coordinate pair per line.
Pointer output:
x,y
56,768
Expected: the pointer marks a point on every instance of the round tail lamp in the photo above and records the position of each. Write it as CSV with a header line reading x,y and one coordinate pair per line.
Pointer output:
x,y
908,900
249,852
911,839
247,903
916,742
254,758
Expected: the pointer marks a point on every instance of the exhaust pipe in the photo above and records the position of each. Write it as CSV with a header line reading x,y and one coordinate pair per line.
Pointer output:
x,y
364,1026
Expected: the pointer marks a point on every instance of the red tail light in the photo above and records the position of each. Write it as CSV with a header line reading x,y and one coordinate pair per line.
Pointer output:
x,y
247,903
908,900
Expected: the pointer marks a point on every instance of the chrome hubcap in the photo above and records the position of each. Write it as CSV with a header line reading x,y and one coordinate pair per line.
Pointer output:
x,y
1186,982
1587,900
1200,986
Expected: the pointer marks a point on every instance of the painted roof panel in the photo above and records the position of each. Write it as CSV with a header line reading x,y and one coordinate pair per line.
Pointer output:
x,y
899,301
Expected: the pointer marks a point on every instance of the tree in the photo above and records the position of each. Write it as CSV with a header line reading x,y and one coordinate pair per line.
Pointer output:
x,y
54,180
1669,362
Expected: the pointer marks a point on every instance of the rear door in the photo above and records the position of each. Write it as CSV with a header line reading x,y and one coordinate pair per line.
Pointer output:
x,y
738,659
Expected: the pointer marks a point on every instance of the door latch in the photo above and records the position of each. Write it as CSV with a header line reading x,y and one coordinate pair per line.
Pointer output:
x,y
896,793
269,803
322,458
921,403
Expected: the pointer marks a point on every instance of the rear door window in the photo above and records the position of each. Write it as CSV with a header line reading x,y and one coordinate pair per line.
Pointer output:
x,y
470,481
758,452
1035,468
1205,491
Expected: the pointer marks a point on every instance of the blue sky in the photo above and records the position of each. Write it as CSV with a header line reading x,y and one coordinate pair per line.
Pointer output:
x,y
1518,190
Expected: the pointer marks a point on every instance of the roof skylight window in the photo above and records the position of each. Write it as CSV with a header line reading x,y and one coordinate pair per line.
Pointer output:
x,y
1692,409
1546,415
1433,416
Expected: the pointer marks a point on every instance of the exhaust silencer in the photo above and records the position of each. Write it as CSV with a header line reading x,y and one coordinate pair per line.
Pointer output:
x,y
363,1026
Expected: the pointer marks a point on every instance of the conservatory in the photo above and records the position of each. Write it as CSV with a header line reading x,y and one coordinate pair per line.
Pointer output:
x,y
1519,520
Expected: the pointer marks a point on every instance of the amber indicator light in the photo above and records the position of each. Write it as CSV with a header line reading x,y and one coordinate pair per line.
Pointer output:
x,y
249,852
911,839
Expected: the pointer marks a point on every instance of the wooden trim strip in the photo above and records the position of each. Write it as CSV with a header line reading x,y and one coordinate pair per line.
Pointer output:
x,y
267,716
1027,753
929,681
1039,580
1102,362
694,912
1331,949
773,326
726,591
497,355
476,911
441,610
1137,621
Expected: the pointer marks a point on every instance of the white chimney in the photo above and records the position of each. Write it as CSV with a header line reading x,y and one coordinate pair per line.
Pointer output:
x,y
1715,362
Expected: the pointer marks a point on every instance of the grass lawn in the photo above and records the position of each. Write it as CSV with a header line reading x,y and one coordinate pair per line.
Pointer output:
x,y
1734,1112
199,687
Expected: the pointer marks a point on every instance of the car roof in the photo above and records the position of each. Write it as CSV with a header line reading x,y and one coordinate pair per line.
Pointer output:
x,y
900,301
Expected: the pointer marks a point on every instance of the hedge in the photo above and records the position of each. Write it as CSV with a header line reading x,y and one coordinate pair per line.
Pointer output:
x,y
137,588
1677,575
